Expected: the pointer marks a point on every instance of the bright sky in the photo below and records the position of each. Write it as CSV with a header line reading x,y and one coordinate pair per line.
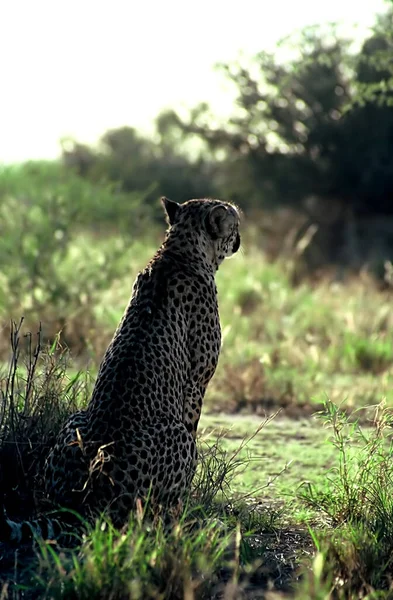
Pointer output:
x,y
79,67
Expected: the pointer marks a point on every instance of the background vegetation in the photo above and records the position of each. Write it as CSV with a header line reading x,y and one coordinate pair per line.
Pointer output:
x,y
303,509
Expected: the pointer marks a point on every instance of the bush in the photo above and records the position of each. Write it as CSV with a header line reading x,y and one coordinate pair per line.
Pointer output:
x,y
48,219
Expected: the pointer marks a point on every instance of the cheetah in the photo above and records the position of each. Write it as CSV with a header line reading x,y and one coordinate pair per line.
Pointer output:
x,y
136,438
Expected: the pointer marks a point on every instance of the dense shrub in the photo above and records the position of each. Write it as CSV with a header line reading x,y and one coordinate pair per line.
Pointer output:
x,y
49,268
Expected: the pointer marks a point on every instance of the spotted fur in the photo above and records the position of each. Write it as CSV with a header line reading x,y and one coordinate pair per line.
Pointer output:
x,y
136,439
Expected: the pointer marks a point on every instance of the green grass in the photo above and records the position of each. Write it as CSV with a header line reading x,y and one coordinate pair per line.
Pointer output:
x,y
354,554
300,345
142,562
286,347
247,522
304,507
211,546
285,455
282,346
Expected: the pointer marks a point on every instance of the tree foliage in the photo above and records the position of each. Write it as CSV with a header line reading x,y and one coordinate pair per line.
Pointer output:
x,y
312,121
317,125
139,164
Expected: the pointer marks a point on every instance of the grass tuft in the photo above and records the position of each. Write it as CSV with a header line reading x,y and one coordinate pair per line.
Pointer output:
x,y
37,393
356,551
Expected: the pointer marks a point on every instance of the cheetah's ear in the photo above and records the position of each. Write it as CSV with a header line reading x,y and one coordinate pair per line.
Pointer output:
x,y
219,221
171,209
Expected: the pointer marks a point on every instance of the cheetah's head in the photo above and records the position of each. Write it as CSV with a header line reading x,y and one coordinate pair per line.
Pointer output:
x,y
212,224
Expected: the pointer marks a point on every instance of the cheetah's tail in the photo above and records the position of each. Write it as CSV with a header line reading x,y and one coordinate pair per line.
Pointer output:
x,y
43,527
